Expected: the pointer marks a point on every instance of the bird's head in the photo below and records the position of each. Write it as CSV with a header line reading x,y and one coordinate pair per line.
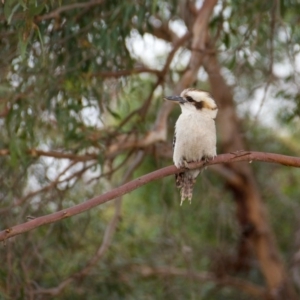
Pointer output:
x,y
193,100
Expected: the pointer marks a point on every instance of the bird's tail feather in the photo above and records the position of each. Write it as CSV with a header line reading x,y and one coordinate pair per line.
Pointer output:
x,y
185,181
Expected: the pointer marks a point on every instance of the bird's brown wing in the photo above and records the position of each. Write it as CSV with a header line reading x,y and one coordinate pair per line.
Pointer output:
x,y
174,141
179,176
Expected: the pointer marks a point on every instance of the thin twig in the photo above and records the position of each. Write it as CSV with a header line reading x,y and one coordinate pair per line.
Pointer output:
x,y
55,13
55,154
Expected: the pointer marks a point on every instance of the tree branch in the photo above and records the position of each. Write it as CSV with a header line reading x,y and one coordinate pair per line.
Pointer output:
x,y
199,32
55,13
251,210
121,73
238,156
55,154
243,285
50,186
106,241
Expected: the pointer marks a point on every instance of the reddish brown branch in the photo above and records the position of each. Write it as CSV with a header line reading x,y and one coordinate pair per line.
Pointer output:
x,y
121,73
199,32
55,13
50,186
132,185
251,210
159,133
55,154
107,238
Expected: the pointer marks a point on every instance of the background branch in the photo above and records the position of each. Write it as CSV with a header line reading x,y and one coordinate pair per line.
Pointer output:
x,y
134,184
54,154
106,241
243,285
56,13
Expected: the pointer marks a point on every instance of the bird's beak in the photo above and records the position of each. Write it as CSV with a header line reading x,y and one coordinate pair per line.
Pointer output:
x,y
175,99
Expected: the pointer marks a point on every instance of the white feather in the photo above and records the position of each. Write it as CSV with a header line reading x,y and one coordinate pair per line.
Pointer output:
x,y
195,135
195,129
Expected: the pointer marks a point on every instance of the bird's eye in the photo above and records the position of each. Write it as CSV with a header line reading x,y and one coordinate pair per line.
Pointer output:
x,y
199,105
190,99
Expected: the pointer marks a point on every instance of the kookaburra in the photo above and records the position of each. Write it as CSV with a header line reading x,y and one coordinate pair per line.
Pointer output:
x,y
195,135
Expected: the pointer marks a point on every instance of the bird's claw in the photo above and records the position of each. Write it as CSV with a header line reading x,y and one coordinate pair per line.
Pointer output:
x,y
186,164
207,159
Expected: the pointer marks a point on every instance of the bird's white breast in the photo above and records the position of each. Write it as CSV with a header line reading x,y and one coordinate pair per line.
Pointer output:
x,y
195,138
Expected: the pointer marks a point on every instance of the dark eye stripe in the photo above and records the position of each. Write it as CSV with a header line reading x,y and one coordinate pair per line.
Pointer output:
x,y
199,105
190,99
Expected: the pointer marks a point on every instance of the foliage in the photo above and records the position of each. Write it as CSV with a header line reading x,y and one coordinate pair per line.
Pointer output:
x,y
73,86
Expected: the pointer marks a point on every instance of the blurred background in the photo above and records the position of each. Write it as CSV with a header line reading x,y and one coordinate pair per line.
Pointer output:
x,y
82,112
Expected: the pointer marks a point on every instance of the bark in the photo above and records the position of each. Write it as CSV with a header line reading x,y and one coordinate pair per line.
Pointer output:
x,y
251,211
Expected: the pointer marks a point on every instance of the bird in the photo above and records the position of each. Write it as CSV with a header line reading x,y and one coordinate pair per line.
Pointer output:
x,y
195,136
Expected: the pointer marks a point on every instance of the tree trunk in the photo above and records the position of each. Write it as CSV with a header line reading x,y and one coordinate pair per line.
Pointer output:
x,y
251,211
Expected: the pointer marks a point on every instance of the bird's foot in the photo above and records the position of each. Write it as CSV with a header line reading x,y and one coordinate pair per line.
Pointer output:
x,y
207,159
183,164
186,164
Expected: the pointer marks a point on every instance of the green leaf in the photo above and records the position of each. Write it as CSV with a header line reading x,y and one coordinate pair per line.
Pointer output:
x,y
23,46
10,7
114,114
15,151
232,63
34,9
153,7
41,39
282,8
227,40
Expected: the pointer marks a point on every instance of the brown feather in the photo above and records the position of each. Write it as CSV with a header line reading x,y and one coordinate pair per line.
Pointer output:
x,y
185,182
